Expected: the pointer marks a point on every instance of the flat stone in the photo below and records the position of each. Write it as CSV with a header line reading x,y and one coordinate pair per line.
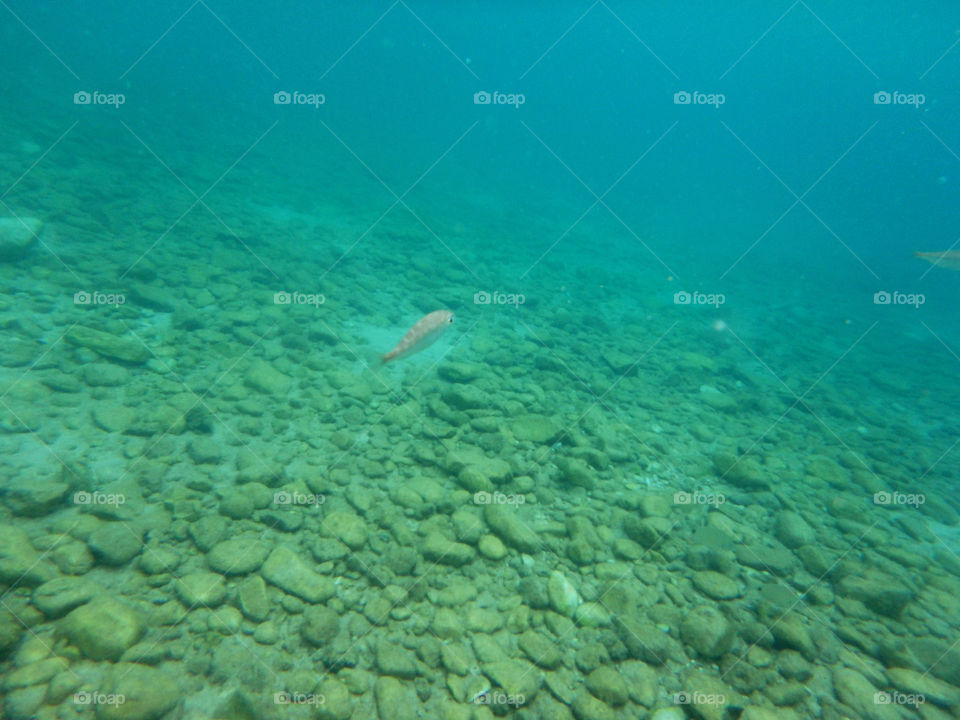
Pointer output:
x,y
128,350
239,556
148,693
59,596
509,527
115,543
103,374
437,548
38,498
262,376
606,684
394,660
252,598
287,570
152,296
113,417
20,563
539,429
460,372
516,677
707,631
716,585
201,589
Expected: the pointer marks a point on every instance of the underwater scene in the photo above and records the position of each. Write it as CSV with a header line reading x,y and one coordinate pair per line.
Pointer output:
x,y
406,359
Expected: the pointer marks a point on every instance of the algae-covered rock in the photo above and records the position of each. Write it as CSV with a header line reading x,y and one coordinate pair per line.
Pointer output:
x,y
252,598
392,659
348,528
115,543
265,378
286,569
438,548
606,684
395,700
60,595
111,346
148,693
539,429
563,597
20,563
509,527
102,628
744,471
320,625
707,631
239,556
517,678
201,589
793,531
716,585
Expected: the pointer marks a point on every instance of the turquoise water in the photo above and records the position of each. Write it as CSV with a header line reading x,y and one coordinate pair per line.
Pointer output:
x,y
689,448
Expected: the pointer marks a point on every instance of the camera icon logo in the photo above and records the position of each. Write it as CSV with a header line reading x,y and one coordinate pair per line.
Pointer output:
x,y
481,98
881,298
281,298
282,498
81,498
681,98
481,298
81,98
881,98
481,498
281,98
681,698
681,498
881,498
681,298
81,298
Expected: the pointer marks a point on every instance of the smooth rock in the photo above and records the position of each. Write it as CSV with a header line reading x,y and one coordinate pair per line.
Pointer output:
x,y
128,350
102,629
286,569
201,589
239,556
148,693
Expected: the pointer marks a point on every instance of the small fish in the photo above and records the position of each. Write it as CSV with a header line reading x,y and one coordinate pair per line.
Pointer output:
x,y
422,335
948,259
